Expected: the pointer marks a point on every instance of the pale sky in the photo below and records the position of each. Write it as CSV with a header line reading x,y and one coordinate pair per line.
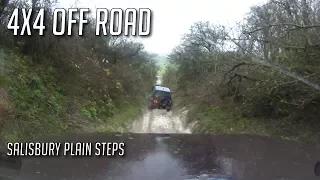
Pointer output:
x,y
173,18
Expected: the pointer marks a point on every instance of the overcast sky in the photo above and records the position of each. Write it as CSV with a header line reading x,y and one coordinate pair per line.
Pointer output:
x,y
173,18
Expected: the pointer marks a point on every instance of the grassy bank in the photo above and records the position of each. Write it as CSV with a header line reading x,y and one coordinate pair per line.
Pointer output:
x,y
35,103
53,85
229,120
122,119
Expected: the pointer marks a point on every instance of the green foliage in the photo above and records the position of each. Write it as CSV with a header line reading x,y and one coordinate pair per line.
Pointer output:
x,y
162,62
40,103
3,80
123,117
264,74
39,109
61,85
229,120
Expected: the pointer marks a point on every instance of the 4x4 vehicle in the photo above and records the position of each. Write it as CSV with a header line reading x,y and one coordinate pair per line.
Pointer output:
x,y
160,98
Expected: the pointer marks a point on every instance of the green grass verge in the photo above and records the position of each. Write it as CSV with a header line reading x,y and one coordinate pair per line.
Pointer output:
x,y
121,121
227,120
219,120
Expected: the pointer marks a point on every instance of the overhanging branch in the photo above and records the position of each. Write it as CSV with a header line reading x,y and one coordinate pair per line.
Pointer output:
x,y
283,24
288,73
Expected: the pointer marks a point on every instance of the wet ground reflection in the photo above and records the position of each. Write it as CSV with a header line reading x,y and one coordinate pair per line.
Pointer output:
x,y
156,164
158,157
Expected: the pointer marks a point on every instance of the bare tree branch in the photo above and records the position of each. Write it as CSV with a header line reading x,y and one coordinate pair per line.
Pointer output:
x,y
288,73
283,24
236,66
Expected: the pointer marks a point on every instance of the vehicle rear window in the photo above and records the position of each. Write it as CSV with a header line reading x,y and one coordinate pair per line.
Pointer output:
x,y
161,93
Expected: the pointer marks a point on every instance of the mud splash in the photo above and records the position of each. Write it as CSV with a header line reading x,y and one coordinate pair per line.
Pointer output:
x,y
161,121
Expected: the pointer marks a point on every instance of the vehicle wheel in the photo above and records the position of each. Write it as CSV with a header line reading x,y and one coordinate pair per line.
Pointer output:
x,y
168,108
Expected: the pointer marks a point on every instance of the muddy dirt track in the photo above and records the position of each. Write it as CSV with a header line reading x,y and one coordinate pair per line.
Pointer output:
x,y
161,147
161,121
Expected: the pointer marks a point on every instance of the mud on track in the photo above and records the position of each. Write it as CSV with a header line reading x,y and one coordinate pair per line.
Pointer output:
x,y
161,121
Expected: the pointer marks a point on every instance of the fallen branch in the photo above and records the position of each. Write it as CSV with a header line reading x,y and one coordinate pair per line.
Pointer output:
x,y
288,73
283,70
240,77
236,66
289,82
